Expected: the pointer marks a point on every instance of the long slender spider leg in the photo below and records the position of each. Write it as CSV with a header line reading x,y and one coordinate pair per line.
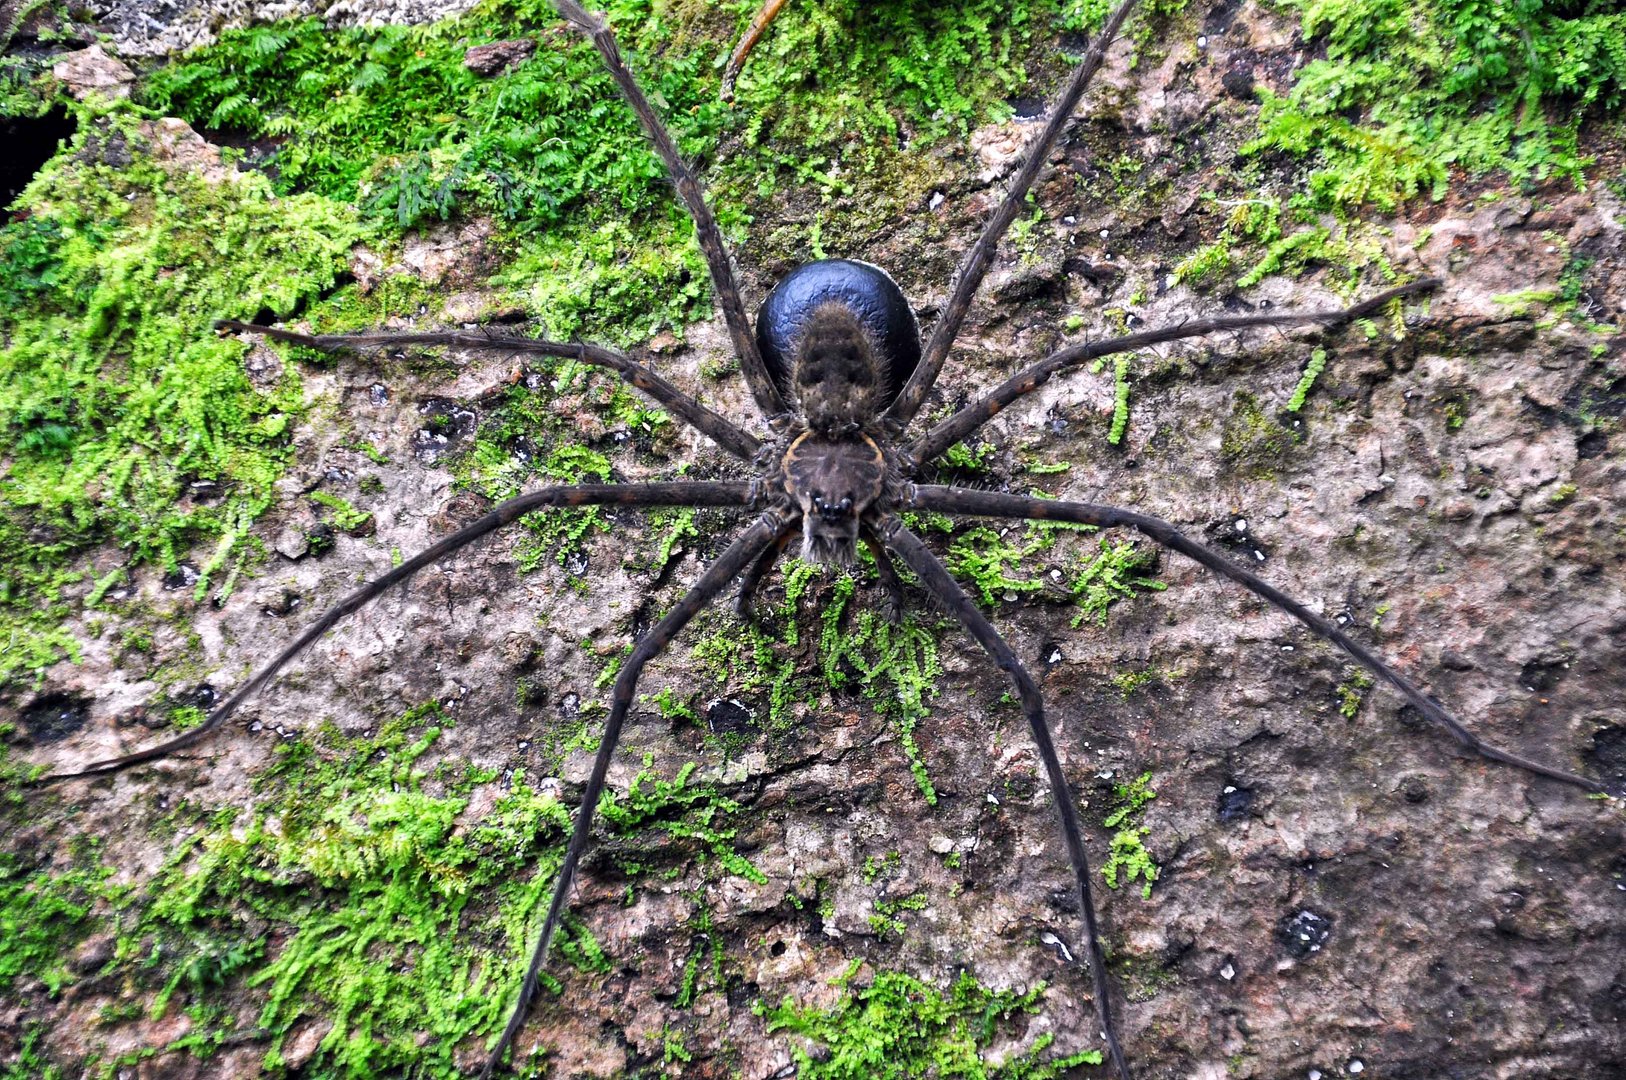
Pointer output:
x,y
752,578
710,236
684,493
1029,379
891,583
739,555
994,504
717,427
753,33
977,260
941,584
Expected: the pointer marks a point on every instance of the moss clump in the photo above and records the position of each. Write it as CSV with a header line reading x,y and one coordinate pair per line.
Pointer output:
x,y
1128,856
118,404
43,915
360,889
899,1028
1407,91
1251,439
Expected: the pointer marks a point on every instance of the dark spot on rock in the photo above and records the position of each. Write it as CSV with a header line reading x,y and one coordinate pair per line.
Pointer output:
x,y
726,716
54,717
570,706
319,540
1543,673
1234,802
1050,655
30,142
1238,534
1593,444
1609,1004
205,696
1027,108
777,949
1608,751
1413,789
446,423
378,394
1238,81
184,576
576,562
1452,660
1304,933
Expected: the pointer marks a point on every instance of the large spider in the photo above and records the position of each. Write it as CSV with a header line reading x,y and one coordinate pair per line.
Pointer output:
x,y
838,372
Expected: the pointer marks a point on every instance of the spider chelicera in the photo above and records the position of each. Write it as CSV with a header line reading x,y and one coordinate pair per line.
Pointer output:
x,y
837,369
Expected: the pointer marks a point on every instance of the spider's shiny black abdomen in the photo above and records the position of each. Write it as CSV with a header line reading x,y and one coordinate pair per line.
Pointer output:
x,y
868,291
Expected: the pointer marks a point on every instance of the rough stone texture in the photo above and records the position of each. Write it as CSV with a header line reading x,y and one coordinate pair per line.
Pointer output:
x,y
156,27
1470,920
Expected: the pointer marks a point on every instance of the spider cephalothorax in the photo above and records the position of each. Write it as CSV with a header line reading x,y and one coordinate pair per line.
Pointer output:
x,y
838,375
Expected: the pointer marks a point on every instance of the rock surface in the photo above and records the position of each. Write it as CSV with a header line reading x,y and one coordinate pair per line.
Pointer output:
x,y
1339,895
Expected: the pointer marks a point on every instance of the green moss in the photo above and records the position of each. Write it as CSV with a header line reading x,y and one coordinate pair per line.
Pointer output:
x,y
899,1028
359,888
886,917
43,915
342,515
1352,691
1128,855
1312,371
1408,91
115,395
1251,438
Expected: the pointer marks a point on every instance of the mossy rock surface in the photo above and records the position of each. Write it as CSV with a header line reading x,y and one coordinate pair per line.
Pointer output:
x,y
829,843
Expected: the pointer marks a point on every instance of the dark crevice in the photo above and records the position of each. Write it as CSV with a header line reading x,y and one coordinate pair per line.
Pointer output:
x,y
30,142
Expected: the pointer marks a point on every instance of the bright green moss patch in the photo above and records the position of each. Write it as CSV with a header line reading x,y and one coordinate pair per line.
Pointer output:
x,y
1001,568
127,420
894,665
1410,90
899,1028
1129,858
360,889
43,915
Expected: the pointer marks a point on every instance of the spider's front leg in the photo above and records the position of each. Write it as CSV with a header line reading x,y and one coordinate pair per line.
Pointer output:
x,y
710,237
740,554
935,576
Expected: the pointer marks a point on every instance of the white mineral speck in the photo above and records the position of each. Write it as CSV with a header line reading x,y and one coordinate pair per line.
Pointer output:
x,y
935,201
1227,972
1241,525
1355,1066
1315,1074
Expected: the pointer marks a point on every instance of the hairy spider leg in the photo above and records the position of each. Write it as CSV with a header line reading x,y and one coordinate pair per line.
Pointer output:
x,y
977,260
715,426
758,570
995,504
739,555
942,585
684,493
891,583
971,417
753,33
710,236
